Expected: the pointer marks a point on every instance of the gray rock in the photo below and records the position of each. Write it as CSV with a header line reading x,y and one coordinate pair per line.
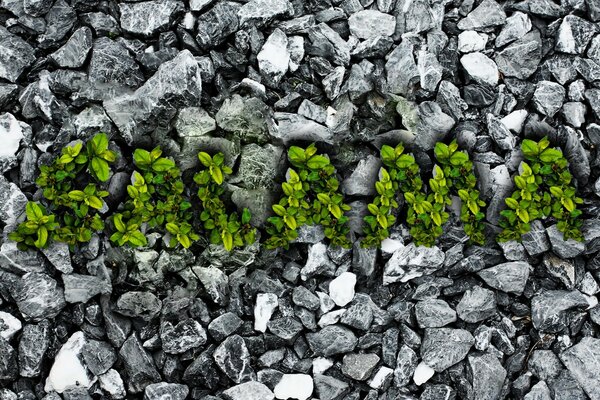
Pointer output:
x,y
327,43
144,305
539,391
294,127
548,97
224,325
38,296
317,263
303,297
37,100
117,327
103,24
262,12
409,262
500,133
406,364
488,376
332,83
373,47
574,34
252,390
99,356
37,8
215,25
246,118
233,358
185,335
469,41
287,328
564,248
487,14
330,388
358,316
574,113
401,69
430,70
582,362
274,58
432,125
112,63
575,153
8,93
215,283
148,18
359,366
517,25
15,55
476,305
164,390
419,16
588,69
521,58
332,340
360,182
81,288
73,53
450,101
549,309
434,313
480,68
138,364
12,201
60,21
510,277
199,5
33,344
367,24
434,392
544,364
193,122
8,361
444,347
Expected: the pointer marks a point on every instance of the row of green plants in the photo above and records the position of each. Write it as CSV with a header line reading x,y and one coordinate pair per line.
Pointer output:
x,y
73,207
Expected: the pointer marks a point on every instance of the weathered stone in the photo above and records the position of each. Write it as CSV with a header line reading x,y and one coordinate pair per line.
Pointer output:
x,y
148,18
366,24
487,14
233,358
521,58
262,12
409,262
510,277
73,53
582,361
444,347
15,55
38,296
331,340
549,309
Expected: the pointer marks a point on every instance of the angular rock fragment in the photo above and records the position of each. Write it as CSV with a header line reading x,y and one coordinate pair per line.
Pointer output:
x,y
412,261
274,58
215,25
262,12
521,58
38,296
251,390
69,370
489,13
488,376
434,313
331,340
138,365
549,309
509,277
233,358
148,18
366,24
480,67
548,97
476,305
112,63
33,344
81,288
574,34
164,390
327,43
185,335
73,53
444,347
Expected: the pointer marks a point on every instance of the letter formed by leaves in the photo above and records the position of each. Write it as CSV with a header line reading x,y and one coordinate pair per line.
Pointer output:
x,y
230,230
157,201
543,188
310,196
458,169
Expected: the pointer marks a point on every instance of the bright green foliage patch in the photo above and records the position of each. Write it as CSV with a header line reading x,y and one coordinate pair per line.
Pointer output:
x,y
544,188
230,230
460,179
311,196
36,230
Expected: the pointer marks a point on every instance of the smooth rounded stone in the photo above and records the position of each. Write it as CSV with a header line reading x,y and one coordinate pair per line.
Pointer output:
x,y
215,25
432,125
487,14
539,391
359,366
266,303
73,53
68,370
488,376
294,386
38,296
81,288
224,325
251,390
564,248
434,313
185,335
194,121
476,305
521,58
331,340
406,364
401,69
274,58
409,262
112,63
509,277
500,133
550,309
99,356
15,55
470,41
164,391
233,358
480,68
444,347
325,42
9,325
317,263
574,34
574,113
148,18
11,134
262,12
517,25
544,364
287,328
135,304
366,24
341,289
582,362
548,97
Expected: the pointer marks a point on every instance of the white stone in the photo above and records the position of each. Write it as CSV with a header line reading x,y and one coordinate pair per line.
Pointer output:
x,y
112,383
422,374
515,120
321,364
274,58
9,325
389,246
68,369
326,303
11,134
266,303
369,23
296,49
381,377
189,21
469,41
294,386
592,301
480,67
331,318
341,289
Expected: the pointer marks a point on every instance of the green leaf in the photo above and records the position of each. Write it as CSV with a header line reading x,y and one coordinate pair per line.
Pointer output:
x,y
163,164
118,221
95,202
529,148
137,238
387,153
317,162
568,203
296,155
290,221
550,155
279,209
185,241
520,182
100,168
33,211
512,203
437,218
100,142
556,191
459,158
216,174
42,238
246,216
441,151
227,240
77,195
523,215
335,211
404,161
323,198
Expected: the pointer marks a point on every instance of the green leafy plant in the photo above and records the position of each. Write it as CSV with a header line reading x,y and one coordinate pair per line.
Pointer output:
x,y
36,230
156,201
230,230
544,189
458,169
311,196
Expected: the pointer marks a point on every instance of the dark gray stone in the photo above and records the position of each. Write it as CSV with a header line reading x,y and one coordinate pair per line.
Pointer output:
x,y
544,364
521,58
138,365
582,361
548,97
233,358
487,14
327,43
409,262
510,277
215,25
574,34
33,344
550,309
359,366
99,356
406,364
488,376
476,305
224,326
112,63
185,335
330,388
331,340
38,296
15,55
444,347
73,53
401,69
81,288
432,125
434,313
60,20
148,18
144,305
164,391
287,328
262,12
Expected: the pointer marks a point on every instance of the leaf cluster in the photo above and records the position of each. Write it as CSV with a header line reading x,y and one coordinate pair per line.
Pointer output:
x,y
230,230
311,196
458,169
543,189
